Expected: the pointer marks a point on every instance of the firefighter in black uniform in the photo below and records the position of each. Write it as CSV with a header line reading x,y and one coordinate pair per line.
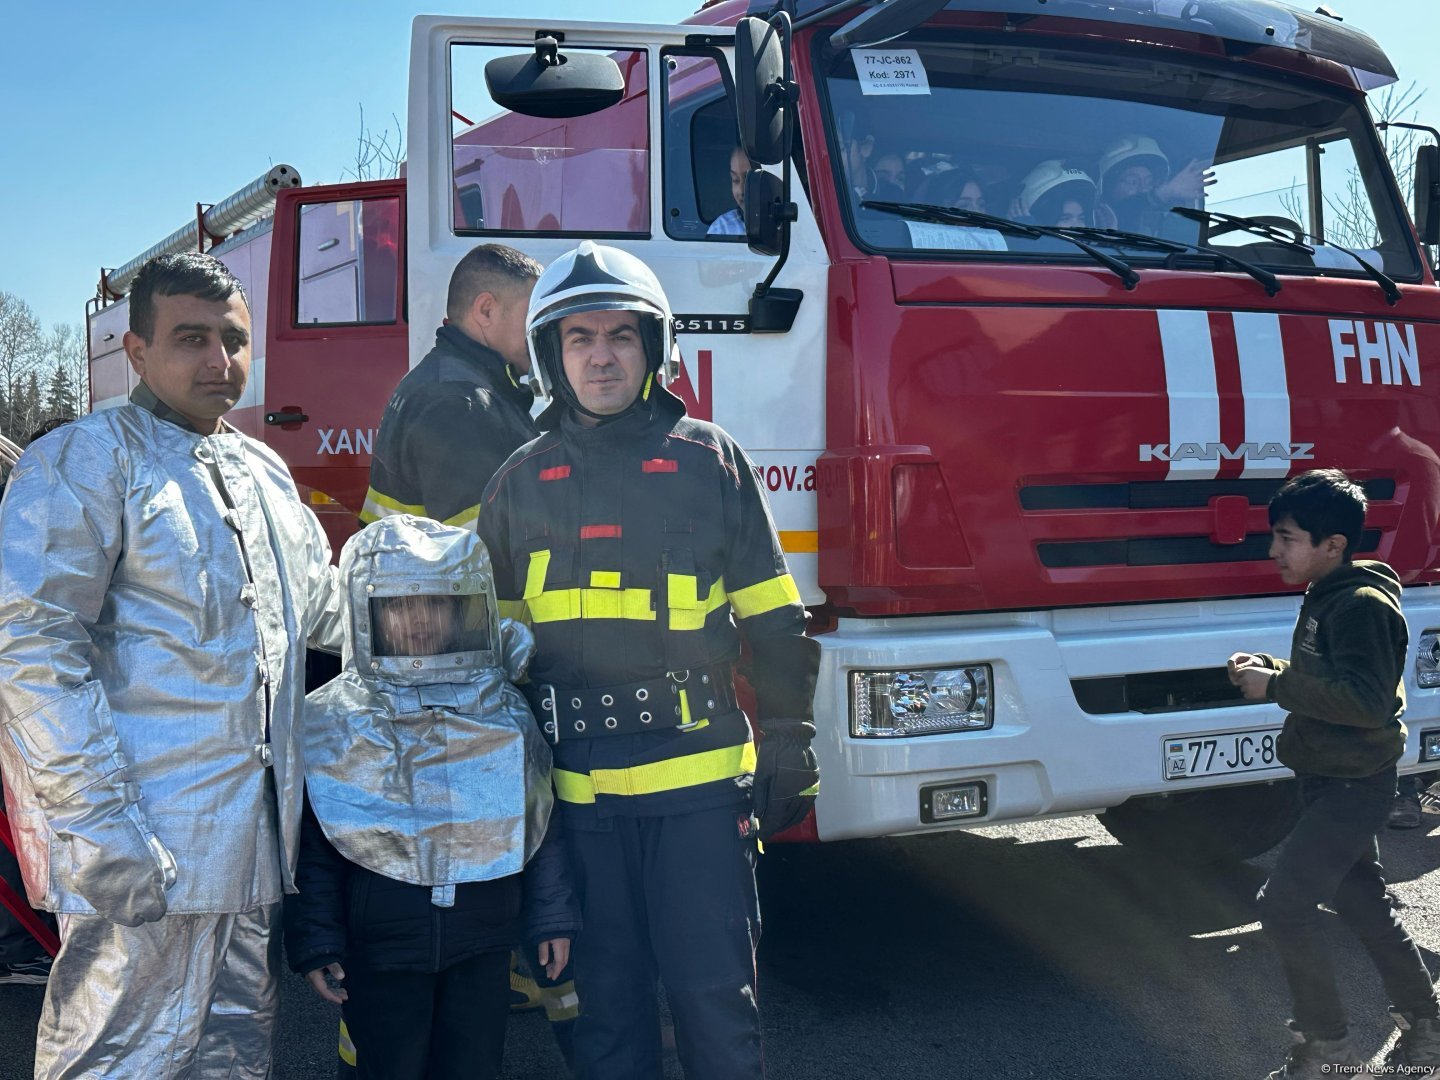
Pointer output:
x,y
464,408
638,546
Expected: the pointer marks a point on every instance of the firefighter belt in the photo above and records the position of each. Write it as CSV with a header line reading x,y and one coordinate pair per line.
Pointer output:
x,y
679,699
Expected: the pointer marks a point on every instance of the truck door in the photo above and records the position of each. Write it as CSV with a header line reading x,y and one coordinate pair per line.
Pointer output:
x,y
649,174
336,337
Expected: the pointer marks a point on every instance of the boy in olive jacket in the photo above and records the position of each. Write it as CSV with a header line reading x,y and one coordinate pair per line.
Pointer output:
x,y
1343,735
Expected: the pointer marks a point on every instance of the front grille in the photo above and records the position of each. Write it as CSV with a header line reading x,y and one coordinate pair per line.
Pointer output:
x,y
1157,691
1166,494
1166,551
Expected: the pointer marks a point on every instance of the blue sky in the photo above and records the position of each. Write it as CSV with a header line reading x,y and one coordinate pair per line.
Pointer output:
x,y
119,117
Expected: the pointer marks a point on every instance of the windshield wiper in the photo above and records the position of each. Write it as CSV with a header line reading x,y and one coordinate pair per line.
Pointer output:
x,y
1160,243
946,215
1282,237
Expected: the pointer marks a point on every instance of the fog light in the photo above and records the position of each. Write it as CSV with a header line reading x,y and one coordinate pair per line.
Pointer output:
x,y
946,802
1427,660
925,701
1430,746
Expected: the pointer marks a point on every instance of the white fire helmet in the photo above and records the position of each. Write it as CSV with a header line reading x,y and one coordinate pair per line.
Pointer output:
x,y
1053,176
1134,150
596,277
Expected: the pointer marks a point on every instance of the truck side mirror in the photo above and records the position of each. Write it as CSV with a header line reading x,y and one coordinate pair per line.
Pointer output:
x,y
759,77
1427,194
763,200
549,83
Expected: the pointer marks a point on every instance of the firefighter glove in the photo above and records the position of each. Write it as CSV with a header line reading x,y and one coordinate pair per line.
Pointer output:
x,y
517,647
786,776
121,868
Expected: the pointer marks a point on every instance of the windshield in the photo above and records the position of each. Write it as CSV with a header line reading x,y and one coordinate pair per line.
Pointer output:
x,y
1111,140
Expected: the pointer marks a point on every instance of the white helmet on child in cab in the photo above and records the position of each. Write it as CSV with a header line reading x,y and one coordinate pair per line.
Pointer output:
x,y
1134,150
1054,179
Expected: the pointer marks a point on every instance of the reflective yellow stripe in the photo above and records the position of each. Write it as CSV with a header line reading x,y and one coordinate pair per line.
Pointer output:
x,y
561,1002
464,517
525,986
347,1047
378,506
799,541
604,579
693,617
535,575
514,609
725,763
684,708
765,596
558,605
682,590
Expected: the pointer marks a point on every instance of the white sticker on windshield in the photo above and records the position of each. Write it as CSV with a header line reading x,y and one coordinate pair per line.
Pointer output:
x,y
932,234
890,71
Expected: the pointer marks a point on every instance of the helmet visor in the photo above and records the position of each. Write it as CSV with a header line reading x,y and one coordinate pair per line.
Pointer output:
x,y
578,305
429,624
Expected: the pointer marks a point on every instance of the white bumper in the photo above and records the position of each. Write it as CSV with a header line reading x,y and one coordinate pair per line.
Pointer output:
x,y
1044,756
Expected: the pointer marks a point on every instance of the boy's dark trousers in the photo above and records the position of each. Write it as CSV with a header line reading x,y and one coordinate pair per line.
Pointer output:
x,y
1331,857
449,1025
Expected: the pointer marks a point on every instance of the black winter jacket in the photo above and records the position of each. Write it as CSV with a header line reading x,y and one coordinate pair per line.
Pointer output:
x,y
450,424
1344,683
347,914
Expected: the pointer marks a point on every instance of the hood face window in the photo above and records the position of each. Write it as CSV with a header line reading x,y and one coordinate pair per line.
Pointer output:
x,y
429,624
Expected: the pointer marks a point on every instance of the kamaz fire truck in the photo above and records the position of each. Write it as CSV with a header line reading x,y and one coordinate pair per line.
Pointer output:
x,y
1020,468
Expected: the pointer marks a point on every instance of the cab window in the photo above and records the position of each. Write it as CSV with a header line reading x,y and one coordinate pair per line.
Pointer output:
x,y
702,157
349,262
522,175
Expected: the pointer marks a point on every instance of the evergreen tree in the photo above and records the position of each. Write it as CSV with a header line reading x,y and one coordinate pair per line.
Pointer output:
x,y
60,403
65,347
29,408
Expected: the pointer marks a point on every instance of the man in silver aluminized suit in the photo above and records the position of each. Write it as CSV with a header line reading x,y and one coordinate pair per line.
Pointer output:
x,y
159,581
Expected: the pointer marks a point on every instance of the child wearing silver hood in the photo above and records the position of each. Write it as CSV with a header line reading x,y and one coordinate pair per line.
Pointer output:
x,y
427,851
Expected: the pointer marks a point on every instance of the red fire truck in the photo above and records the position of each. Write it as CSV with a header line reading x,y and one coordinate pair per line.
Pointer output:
x,y
1018,447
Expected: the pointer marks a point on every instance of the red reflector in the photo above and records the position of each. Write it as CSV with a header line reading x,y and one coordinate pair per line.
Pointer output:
x,y
559,472
599,532
1231,512
660,465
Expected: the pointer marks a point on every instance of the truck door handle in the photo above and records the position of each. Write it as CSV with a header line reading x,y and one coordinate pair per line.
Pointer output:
x,y
291,415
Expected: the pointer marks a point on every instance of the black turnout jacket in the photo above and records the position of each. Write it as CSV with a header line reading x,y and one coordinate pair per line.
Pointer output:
x,y
638,547
450,423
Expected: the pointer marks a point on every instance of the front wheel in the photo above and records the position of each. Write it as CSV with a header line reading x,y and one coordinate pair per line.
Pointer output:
x,y
1204,828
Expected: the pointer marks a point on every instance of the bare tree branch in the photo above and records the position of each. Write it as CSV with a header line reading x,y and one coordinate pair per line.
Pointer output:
x,y
378,155
68,351
20,353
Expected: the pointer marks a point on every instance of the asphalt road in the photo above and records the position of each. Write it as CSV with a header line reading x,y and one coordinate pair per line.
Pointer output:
x,y
1032,951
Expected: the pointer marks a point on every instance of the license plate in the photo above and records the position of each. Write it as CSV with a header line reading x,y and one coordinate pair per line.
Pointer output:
x,y
1185,756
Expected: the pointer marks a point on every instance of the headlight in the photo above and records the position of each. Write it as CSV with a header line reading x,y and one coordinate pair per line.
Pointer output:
x,y
1427,659
924,701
